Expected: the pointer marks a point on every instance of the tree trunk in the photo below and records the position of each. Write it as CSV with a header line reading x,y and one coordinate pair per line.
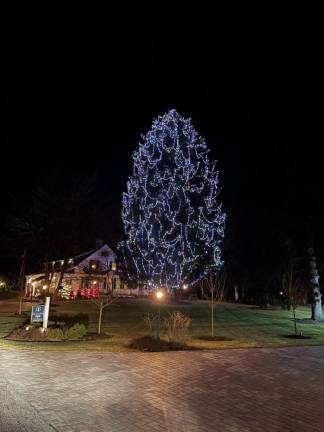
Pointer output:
x,y
59,280
317,304
295,323
212,311
315,288
47,274
236,293
20,305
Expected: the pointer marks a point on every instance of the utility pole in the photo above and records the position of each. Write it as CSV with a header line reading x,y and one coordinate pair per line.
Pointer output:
x,y
21,280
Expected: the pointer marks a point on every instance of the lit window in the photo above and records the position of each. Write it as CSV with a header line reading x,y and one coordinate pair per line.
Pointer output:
x,y
94,264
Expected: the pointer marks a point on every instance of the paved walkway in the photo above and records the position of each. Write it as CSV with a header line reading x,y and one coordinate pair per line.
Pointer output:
x,y
277,390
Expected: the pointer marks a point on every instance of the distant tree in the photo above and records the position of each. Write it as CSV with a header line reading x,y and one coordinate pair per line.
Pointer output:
x,y
294,290
60,219
101,303
212,287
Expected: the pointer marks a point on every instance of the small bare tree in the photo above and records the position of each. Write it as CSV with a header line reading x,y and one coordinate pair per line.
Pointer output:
x,y
151,322
176,325
212,289
101,303
294,290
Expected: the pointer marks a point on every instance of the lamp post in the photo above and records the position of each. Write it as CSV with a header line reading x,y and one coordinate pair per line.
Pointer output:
x,y
183,290
159,296
113,277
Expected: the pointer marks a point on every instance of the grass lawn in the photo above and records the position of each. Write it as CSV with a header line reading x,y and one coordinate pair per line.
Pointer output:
x,y
240,326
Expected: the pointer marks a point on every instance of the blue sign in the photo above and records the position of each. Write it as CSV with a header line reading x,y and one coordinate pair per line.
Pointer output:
x,y
37,313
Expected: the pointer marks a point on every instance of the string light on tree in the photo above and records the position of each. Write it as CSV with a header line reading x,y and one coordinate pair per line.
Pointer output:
x,y
172,219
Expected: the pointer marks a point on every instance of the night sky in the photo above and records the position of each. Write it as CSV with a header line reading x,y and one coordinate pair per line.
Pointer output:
x,y
79,107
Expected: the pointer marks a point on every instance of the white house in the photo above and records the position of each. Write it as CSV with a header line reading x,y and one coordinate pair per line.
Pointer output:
x,y
83,276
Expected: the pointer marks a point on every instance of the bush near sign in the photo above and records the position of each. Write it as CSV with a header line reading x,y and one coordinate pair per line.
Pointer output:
x,y
37,313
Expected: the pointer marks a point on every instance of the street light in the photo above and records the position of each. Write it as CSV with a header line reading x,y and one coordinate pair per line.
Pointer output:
x,y
159,295
185,286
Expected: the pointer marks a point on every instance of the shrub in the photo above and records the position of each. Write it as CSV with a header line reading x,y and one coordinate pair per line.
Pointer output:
x,y
75,332
176,325
55,334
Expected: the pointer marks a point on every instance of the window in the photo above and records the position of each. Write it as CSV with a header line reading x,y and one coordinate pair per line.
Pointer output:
x,y
94,265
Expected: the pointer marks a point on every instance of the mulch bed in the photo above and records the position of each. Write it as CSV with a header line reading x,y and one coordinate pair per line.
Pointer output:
x,y
95,336
214,338
297,337
150,344
34,335
22,335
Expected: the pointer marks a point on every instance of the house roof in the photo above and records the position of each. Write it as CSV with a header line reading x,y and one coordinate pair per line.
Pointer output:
x,y
81,257
75,261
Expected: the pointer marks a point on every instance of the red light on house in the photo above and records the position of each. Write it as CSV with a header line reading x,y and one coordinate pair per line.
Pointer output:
x,y
95,292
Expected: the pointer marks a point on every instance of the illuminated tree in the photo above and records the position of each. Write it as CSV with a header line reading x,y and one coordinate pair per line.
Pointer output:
x,y
172,219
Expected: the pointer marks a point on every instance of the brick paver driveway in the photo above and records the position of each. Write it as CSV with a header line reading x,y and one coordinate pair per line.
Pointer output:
x,y
235,390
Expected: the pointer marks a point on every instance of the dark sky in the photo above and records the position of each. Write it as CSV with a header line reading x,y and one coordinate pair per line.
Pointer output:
x,y
79,105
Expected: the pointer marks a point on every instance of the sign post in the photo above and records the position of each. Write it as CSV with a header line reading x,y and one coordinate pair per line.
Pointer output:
x,y
46,312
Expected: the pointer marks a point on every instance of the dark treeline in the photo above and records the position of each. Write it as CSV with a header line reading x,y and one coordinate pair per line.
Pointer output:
x,y
58,218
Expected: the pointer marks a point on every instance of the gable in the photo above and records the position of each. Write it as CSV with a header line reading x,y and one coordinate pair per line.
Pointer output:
x,y
104,256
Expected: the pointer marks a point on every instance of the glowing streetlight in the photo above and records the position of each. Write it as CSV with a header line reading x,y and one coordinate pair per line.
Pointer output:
x,y
185,286
44,287
159,295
